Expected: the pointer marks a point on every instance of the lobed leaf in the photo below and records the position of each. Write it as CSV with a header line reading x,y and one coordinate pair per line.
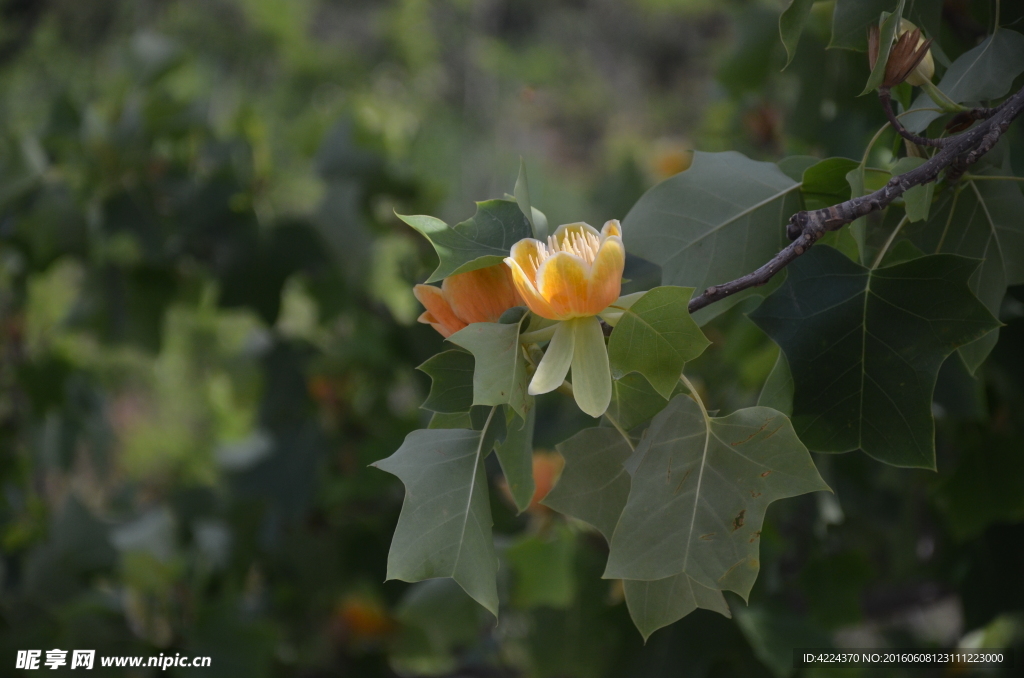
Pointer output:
x,y
451,387
791,25
593,486
699,490
656,604
865,346
515,454
717,221
656,336
483,240
500,376
444,529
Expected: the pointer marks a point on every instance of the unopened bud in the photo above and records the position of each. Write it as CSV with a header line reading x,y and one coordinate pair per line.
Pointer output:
x,y
910,58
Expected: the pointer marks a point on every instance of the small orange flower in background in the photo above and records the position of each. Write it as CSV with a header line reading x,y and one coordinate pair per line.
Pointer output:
x,y
479,296
547,466
361,619
578,273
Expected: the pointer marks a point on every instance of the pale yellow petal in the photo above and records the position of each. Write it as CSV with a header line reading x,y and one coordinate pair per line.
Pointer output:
x,y
481,296
529,294
528,254
563,281
439,313
611,227
605,282
580,227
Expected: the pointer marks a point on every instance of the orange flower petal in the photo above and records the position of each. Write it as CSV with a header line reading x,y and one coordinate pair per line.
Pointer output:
x,y
524,285
563,281
439,312
605,283
481,296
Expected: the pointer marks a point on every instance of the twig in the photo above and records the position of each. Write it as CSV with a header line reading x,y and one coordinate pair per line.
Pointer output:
x,y
805,228
885,97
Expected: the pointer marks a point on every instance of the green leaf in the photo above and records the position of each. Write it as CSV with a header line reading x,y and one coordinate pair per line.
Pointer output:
x,y
656,604
794,166
850,21
791,25
515,454
634,401
888,31
481,241
699,491
475,418
656,336
918,199
593,486
451,387
500,376
444,529
825,184
777,392
713,223
864,180
438,619
865,347
542,568
981,219
984,72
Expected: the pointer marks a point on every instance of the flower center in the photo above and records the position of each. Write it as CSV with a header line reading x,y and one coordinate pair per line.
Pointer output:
x,y
581,243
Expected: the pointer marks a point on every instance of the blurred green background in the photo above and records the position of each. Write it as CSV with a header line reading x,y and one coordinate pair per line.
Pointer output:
x,y
207,333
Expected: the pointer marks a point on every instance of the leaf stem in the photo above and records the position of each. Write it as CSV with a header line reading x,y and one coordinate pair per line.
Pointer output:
x,y
885,247
696,396
622,432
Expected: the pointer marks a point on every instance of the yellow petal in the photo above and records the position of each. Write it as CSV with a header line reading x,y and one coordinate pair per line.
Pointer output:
x,y
563,281
605,283
527,253
611,227
439,314
524,285
481,296
581,227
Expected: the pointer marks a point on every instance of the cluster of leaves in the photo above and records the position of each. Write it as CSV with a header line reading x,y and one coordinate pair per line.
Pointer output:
x,y
865,321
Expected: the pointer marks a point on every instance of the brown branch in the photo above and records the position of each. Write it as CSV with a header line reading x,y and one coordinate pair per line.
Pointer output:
x,y
805,228
885,97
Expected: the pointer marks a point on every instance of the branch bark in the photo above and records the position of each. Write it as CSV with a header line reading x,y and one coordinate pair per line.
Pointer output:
x,y
805,228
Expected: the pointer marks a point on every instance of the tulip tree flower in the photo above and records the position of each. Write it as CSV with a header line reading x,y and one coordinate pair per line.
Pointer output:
x,y
572,278
479,296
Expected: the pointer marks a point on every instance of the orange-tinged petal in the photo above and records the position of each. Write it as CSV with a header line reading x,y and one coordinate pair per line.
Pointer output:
x,y
563,281
439,312
611,227
527,253
606,274
481,296
524,285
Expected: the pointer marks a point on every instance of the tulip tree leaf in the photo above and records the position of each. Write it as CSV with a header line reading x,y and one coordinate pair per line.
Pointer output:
x,y
825,184
850,21
656,336
656,604
887,34
444,529
593,486
451,387
481,241
865,348
713,223
500,376
515,454
984,72
699,491
475,418
634,401
791,25
980,220
917,199
777,391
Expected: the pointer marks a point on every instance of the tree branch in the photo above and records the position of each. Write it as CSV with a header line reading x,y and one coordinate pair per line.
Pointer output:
x,y
805,228
885,97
